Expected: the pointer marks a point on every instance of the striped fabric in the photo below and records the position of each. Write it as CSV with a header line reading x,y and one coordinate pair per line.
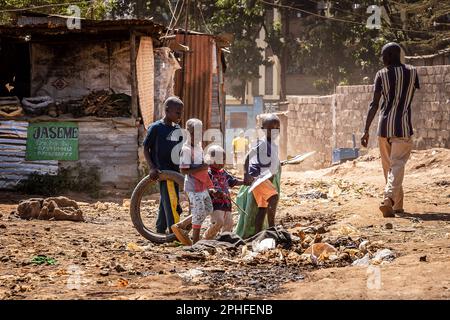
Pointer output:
x,y
397,84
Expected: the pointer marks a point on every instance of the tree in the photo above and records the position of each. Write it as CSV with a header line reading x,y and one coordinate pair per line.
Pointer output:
x,y
340,49
244,21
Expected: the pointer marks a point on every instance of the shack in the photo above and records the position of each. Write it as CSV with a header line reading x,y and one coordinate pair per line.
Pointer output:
x,y
104,83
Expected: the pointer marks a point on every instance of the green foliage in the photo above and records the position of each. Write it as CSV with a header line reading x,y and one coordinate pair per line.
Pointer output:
x,y
78,178
243,21
40,259
90,9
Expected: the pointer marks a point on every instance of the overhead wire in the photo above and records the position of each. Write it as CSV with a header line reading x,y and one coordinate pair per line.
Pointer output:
x,y
43,6
341,20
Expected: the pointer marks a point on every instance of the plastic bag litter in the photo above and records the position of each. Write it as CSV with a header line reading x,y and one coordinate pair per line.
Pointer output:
x,y
363,246
384,255
191,275
266,244
364,261
348,230
334,191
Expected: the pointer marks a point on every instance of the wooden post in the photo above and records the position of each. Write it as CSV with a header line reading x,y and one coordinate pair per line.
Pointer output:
x,y
134,91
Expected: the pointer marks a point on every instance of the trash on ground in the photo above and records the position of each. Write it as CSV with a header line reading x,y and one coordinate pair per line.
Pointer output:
x,y
266,244
334,191
384,255
191,275
364,261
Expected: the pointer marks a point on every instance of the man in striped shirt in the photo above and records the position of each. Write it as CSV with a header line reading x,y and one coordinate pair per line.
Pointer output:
x,y
396,83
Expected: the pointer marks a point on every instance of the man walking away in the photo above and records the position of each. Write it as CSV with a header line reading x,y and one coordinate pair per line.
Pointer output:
x,y
396,83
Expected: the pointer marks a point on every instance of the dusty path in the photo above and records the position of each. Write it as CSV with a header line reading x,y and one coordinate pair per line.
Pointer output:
x,y
105,258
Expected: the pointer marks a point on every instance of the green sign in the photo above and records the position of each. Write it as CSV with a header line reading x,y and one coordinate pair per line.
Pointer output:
x,y
52,141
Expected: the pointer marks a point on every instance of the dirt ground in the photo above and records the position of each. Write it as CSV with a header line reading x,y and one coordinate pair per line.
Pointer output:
x,y
105,258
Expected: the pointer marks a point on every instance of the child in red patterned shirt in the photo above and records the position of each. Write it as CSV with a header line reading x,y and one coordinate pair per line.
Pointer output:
x,y
221,218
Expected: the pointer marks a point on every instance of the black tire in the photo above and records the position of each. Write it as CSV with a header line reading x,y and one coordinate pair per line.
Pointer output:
x,y
135,206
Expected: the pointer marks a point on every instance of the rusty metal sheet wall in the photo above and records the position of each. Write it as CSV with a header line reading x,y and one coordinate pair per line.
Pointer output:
x,y
110,145
198,78
13,167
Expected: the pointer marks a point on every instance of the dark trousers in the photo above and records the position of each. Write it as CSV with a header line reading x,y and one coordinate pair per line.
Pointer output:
x,y
169,206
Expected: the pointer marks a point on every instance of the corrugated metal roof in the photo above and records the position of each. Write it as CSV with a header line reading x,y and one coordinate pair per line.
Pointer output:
x,y
197,95
58,25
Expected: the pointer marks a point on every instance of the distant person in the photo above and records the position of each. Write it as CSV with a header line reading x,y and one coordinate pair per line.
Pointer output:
x,y
397,83
240,148
158,144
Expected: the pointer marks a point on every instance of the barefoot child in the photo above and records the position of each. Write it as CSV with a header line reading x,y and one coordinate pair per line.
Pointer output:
x,y
221,218
197,182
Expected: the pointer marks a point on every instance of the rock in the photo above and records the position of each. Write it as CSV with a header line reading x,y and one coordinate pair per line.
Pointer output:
x,y
30,208
363,246
119,268
388,226
63,202
84,254
101,206
344,256
447,235
321,230
126,203
363,262
104,273
4,259
423,259
2,226
384,255
57,208
317,238
1,215
47,228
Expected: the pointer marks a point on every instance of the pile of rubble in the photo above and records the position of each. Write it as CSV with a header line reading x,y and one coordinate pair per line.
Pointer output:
x,y
53,208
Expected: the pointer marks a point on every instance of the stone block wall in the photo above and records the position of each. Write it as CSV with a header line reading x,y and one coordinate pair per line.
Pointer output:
x,y
310,128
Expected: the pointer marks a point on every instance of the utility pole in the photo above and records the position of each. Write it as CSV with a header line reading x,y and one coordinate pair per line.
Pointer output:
x,y
186,28
284,53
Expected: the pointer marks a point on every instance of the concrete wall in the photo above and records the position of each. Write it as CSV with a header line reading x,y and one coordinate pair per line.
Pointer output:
x,y
322,123
310,127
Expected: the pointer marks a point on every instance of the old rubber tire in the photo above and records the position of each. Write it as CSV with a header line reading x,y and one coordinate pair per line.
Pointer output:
x,y
135,206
